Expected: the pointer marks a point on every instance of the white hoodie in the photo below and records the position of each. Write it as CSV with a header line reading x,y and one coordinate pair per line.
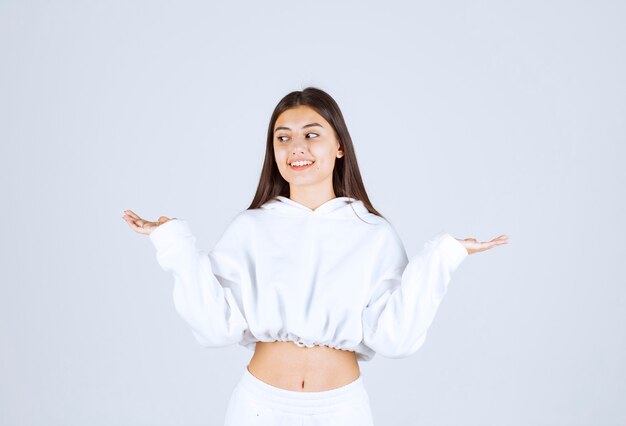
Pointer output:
x,y
336,276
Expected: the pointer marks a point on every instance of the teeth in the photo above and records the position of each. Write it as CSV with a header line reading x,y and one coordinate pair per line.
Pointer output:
x,y
301,163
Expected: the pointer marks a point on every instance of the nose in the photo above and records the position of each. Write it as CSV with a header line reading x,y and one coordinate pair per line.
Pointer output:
x,y
299,145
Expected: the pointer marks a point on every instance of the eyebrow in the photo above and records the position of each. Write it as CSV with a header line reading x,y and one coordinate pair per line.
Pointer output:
x,y
304,127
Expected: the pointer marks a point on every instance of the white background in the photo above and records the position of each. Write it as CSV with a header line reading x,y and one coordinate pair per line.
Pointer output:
x,y
480,118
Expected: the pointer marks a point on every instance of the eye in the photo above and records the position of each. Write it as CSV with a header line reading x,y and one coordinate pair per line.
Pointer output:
x,y
280,138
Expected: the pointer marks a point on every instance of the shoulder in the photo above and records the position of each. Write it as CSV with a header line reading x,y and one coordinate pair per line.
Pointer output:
x,y
246,219
385,240
244,224
235,234
385,232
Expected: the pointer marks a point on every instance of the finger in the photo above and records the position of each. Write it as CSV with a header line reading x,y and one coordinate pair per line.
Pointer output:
x,y
136,227
130,221
132,214
490,244
138,219
140,226
148,226
500,241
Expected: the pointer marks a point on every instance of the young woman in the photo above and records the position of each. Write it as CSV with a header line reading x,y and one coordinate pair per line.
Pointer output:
x,y
310,276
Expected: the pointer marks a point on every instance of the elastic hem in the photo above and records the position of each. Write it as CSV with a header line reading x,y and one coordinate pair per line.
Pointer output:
x,y
302,402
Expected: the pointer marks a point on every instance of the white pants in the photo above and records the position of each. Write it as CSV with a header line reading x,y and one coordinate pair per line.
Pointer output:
x,y
254,402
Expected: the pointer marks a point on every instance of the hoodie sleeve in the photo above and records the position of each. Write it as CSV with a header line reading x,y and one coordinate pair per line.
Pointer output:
x,y
202,282
407,294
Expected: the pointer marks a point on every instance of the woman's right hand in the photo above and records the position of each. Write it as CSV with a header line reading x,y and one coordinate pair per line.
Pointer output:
x,y
143,226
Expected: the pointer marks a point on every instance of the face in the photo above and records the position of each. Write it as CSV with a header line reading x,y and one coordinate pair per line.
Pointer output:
x,y
301,133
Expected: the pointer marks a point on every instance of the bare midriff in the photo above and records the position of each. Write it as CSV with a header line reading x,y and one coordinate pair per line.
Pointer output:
x,y
288,366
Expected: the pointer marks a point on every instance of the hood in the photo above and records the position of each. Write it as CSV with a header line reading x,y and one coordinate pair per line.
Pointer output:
x,y
335,208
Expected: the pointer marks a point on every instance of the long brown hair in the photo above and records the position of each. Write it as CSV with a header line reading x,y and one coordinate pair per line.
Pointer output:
x,y
347,180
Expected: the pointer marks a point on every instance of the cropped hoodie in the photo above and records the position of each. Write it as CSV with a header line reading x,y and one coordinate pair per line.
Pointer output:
x,y
337,276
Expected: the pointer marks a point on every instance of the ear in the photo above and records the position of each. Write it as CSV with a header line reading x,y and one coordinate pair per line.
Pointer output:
x,y
340,153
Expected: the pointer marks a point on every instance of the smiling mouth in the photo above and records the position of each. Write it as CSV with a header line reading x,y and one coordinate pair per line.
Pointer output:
x,y
306,166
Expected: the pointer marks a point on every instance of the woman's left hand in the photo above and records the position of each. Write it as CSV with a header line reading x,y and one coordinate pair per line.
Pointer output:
x,y
472,245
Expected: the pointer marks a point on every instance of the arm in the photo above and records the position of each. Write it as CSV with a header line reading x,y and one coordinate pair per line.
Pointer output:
x,y
201,295
407,294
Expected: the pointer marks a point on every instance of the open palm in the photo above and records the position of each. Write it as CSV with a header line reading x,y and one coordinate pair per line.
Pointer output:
x,y
473,245
143,226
